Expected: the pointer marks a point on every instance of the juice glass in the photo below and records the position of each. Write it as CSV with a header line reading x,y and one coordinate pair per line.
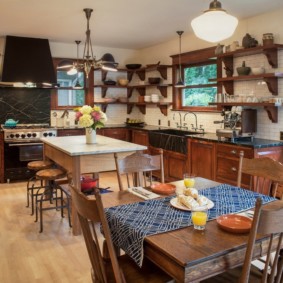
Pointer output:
x,y
199,218
189,180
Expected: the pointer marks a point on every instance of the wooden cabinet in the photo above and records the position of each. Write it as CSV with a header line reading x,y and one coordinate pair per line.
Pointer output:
x,y
202,156
116,133
2,157
140,137
227,163
175,164
70,132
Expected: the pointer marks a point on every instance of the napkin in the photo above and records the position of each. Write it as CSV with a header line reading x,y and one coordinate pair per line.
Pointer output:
x,y
143,193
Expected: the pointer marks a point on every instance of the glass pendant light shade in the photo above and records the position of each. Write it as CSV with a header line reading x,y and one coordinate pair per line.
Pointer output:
x,y
214,24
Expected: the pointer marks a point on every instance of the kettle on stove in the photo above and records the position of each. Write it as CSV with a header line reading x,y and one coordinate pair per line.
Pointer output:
x,y
11,123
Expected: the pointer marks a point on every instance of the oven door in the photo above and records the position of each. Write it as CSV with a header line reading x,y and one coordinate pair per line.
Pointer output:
x,y
16,158
28,151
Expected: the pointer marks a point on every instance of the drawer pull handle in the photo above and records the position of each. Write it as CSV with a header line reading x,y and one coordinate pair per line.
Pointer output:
x,y
233,151
234,169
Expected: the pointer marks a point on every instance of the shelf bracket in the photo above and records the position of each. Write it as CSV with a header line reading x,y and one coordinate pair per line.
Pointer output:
x,y
272,112
142,108
141,90
141,74
103,92
229,87
103,107
272,58
163,90
163,71
228,62
130,76
272,85
163,109
103,75
130,108
129,92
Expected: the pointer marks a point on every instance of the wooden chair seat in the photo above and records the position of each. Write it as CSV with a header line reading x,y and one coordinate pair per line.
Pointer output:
x,y
50,174
267,221
39,165
118,269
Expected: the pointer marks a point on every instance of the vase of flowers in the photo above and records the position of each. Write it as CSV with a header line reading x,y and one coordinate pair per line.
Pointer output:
x,y
91,118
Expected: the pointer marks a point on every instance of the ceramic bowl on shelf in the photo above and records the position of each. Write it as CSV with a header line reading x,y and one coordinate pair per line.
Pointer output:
x,y
154,80
257,71
133,66
123,82
147,98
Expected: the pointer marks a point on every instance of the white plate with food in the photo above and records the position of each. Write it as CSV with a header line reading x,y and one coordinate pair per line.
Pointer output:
x,y
175,203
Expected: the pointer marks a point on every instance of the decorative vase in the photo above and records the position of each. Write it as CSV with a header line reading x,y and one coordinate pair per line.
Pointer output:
x,y
90,135
219,49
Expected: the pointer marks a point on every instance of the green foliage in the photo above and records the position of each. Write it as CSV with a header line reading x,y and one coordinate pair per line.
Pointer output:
x,y
199,75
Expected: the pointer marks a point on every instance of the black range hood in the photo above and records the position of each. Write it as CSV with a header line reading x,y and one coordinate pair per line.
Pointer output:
x,y
28,62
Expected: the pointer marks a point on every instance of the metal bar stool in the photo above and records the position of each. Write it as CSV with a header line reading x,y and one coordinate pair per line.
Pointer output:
x,y
31,185
52,193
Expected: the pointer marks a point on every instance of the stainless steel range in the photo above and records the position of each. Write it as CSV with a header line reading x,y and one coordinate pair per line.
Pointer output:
x,y
28,132
22,144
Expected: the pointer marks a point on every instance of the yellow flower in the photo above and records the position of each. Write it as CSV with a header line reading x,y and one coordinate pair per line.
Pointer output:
x,y
86,121
86,109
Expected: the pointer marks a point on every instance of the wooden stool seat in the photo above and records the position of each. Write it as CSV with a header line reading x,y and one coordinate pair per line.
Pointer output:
x,y
39,165
50,174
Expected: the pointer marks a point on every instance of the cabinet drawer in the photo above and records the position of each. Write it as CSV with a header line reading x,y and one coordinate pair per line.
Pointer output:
x,y
234,151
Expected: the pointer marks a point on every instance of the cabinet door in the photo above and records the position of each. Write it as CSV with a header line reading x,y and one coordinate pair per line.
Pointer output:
x,y
176,165
70,132
202,158
1,157
227,163
140,137
117,133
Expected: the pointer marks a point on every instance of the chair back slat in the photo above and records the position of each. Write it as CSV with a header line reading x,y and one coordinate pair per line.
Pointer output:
x,y
139,167
91,213
265,174
267,221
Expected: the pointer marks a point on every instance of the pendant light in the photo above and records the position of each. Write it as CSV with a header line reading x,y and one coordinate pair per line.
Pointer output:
x,y
180,81
74,69
215,24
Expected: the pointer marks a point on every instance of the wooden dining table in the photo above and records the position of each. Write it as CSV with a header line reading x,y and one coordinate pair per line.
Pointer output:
x,y
189,255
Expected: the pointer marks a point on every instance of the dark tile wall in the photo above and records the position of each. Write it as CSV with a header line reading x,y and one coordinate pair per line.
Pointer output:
x,y
31,106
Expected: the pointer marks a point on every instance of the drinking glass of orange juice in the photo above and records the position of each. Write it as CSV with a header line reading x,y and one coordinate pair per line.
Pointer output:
x,y
189,180
199,218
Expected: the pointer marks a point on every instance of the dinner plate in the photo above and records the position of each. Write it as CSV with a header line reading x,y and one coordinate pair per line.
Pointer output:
x,y
234,223
163,189
174,202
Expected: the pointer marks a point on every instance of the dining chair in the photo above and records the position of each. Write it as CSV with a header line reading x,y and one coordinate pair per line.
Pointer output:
x,y
138,168
267,221
118,269
265,174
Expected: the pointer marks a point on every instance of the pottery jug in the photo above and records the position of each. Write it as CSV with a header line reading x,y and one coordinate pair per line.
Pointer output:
x,y
219,49
243,70
246,41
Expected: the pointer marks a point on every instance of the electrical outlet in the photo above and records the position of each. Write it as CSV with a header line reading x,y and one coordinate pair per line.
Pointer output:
x,y
281,136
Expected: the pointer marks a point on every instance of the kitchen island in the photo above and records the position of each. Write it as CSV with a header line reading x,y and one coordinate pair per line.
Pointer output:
x,y
76,157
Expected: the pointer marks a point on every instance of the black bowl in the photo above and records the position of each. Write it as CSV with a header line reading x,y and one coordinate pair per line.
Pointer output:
x,y
154,80
133,66
109,82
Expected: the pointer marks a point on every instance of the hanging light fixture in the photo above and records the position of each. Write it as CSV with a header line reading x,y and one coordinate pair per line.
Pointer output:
x,y
106,62
214,24
180,81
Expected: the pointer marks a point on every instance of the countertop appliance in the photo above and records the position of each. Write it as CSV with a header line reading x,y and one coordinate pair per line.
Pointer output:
x,y
238,124
22,144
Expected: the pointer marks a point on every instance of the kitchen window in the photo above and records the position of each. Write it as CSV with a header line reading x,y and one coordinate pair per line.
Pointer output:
x,y
199,89
200,68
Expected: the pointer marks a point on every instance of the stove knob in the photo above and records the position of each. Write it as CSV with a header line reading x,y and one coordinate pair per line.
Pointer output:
x,y
17,135
45,134
23,136
28,135
12,135
34,135
50,134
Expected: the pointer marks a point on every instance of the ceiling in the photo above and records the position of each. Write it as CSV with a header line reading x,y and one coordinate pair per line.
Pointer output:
x,y
131,24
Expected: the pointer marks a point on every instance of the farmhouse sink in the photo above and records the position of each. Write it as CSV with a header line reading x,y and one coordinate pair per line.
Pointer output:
x,y
177,132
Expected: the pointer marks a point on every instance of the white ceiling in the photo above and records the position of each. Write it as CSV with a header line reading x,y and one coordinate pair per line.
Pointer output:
x,y
132,24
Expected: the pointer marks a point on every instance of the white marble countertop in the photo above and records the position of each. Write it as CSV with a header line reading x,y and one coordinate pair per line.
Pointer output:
x,y
76,145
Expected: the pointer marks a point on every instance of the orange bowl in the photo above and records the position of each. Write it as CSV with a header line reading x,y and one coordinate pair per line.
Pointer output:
x,y
234,223
163,189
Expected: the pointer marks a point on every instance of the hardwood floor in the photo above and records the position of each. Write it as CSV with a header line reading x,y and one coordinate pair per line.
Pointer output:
x,y
54,255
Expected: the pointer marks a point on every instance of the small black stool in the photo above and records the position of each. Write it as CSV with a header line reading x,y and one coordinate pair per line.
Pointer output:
x,y
31,185
52,193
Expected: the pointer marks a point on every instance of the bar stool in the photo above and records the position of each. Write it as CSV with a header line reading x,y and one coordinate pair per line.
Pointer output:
x,y
31,185
51,193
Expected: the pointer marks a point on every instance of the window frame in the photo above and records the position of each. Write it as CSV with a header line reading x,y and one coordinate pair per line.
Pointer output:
x,y
193,58
88,88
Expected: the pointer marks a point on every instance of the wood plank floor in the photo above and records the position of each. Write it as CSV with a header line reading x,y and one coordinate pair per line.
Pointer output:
x,y
28,256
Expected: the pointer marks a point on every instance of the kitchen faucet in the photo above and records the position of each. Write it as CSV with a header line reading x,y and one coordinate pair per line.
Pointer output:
x,y
178,125
194,127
